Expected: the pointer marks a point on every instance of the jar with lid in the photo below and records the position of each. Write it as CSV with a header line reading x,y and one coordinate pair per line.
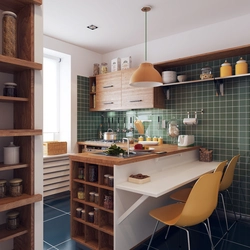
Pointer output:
x,y
96,212
10,89
206,73
104,68
9,34
78,212
106,179
83,214
141,138
96,69
3,188
225,69
111,181
241,67
12,221
160,141
148,138
81,193
91,217
93,173
16,187
96,198
92,196
81,173
108,202
155,138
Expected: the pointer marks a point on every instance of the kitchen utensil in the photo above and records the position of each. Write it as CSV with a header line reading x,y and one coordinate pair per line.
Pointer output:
x,y
124,130
225,69
109,135
139,126
182,78
185,140
241,67
131,124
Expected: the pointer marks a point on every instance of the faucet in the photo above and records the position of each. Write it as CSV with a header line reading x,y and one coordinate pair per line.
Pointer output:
x,y
127,144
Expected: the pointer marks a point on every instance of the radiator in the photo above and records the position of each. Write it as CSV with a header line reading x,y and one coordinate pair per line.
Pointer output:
x,y
56,175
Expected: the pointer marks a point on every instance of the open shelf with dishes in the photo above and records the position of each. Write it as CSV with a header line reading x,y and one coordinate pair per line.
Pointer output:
x,y
92,215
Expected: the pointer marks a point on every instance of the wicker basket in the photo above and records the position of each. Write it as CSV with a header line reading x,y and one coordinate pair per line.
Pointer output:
x,y
206,155
54,148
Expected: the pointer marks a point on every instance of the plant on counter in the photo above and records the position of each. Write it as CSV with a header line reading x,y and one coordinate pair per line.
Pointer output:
x,y
114,150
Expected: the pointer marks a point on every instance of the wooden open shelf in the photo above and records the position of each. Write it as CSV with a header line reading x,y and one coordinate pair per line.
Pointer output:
x,y
20,132
4,167
12,99
6,234
14,202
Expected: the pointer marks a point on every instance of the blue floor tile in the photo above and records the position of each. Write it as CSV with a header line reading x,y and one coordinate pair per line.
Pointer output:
x,y
62,204
67,245
50,212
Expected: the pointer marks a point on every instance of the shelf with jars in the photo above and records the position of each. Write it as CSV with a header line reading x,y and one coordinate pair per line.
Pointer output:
x,y
92,212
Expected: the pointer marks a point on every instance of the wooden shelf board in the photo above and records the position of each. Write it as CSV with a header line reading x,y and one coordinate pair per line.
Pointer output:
x,y
12,64
13,99
4,167
20,132
10,234
8,203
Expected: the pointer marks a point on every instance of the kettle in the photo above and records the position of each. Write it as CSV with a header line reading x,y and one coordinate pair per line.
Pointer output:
x,y
225,69
241,67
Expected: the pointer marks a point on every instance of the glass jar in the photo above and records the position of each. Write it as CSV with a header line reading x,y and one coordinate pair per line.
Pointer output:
x,y
93,87
93,173
83,214
148,138
104,68
206,73
12,220
141,138
81,173
108,202
160,141
96,198
81,193
91,217
96,69
16,187
111,181
96,212
78,212
155,138
9,34
92,196
106,179
3,188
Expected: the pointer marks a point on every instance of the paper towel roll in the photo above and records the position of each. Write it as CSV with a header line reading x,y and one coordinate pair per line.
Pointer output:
x,y
190,121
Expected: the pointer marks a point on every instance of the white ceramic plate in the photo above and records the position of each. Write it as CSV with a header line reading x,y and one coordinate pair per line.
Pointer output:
x,y
148,143
142,150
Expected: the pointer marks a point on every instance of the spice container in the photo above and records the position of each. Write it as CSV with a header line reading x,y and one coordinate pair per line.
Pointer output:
x,y
92,196
93,88
104,68
106,179
3,188
155,138
225,69
11,154
160,141
93,173
81,193
96,198
141,138
9,34
148,138
96,212
78,212
12,220
81,173
16,187
10,89
96,69
206,73
108,202
83,214
91,217
241,67
111,181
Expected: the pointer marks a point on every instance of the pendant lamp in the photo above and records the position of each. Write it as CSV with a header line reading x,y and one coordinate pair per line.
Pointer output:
x,y
146,75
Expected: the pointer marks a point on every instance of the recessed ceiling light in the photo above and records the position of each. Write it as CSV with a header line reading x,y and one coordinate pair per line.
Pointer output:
x,y
92,27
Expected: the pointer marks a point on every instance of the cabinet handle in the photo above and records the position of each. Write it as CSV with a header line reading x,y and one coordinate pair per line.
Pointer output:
x,y
136,101
108,103
108,86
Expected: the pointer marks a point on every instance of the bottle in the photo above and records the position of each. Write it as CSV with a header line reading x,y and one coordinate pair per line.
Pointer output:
x,y
93,88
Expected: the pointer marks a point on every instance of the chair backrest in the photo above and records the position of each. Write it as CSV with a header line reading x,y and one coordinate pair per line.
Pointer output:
x,y
201,201
229,174
221,167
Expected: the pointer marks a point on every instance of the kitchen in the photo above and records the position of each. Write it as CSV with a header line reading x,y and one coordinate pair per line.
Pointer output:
x,y
209,126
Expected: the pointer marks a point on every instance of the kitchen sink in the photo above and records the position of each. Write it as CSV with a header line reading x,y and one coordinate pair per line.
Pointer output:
x,y
131,154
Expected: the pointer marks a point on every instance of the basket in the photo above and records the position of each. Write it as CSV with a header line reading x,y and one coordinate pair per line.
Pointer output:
x,y
54,148
206,155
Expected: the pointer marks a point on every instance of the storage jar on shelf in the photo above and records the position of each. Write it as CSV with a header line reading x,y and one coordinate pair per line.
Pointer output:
x,y
16,187
241,67
3,188
225,69
12,220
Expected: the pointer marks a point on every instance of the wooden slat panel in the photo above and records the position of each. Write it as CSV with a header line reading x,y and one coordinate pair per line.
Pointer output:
x,y
55,180
55,163
56,186
57,169
55,174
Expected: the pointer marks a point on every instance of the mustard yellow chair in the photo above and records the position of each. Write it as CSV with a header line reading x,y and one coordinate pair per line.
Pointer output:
x,y
182,194
199,205
226,182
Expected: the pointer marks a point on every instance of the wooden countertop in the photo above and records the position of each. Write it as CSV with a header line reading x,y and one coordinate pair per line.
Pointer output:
x,y
91,157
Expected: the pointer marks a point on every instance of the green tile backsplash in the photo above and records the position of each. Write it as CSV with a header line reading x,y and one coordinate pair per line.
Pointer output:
x,y
223,127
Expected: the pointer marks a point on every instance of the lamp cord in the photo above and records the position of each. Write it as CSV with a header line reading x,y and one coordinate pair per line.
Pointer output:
x,y
146,36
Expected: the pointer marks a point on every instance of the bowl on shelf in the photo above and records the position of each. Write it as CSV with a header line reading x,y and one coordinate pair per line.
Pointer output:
x,y
168,76
182,78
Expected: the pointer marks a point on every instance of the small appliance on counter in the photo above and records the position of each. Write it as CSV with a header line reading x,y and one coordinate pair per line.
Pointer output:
x,y
185,140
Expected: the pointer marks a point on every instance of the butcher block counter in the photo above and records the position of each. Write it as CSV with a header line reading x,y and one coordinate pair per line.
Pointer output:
x,y
125,222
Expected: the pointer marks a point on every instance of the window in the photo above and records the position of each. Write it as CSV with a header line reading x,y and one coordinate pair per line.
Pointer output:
x,y
51,98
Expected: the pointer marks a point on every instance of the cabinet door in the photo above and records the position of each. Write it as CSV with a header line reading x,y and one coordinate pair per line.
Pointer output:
x,y
108,91
136,98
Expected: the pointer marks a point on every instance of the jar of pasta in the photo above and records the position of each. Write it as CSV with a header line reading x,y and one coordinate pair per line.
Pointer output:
x,y
104,68
16,187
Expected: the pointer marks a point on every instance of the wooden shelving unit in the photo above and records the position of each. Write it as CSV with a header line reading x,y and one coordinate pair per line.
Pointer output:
x,y
97,236
22,131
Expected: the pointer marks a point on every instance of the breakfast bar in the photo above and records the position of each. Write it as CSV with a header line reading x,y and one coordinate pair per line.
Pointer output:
x,y
128,223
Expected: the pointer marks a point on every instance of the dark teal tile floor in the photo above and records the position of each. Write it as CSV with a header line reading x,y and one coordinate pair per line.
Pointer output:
x,y
57,232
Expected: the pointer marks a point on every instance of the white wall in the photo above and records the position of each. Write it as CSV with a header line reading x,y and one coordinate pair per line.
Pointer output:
x,y
223,35
82,61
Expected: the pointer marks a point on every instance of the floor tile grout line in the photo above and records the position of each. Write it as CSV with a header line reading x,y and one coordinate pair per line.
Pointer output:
x,y
55,217
51,246
56,209
62,242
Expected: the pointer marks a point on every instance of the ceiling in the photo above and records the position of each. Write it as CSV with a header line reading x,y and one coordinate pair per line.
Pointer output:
x,y
121,22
